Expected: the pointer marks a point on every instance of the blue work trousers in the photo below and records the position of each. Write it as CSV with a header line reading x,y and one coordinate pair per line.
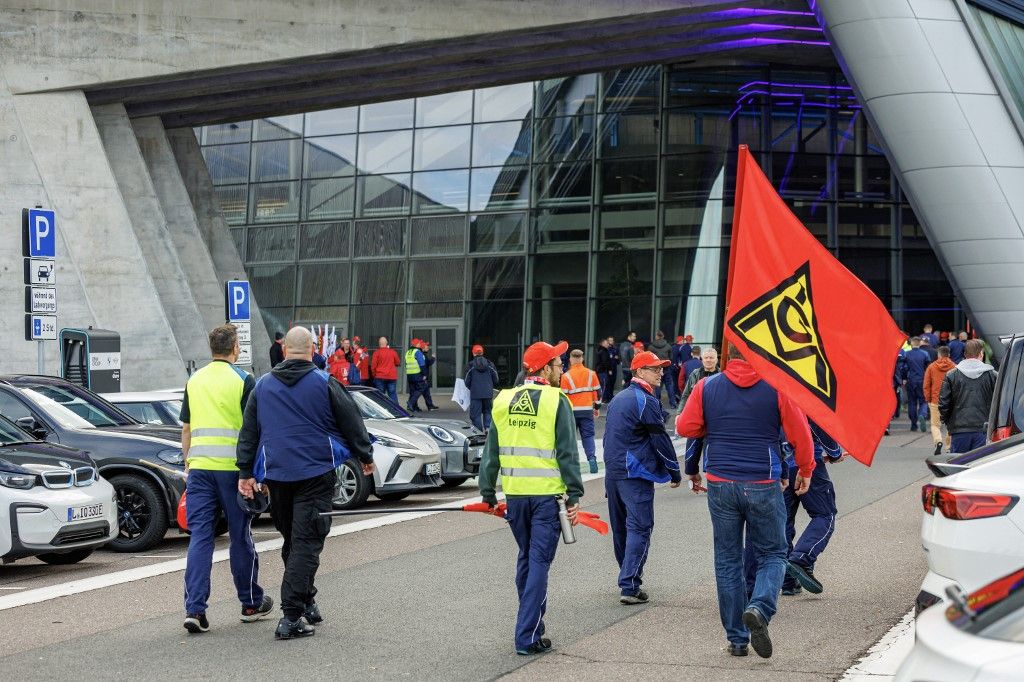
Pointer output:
x,y
669,385
759,509
608,386
480,412
417,388
965,442
209,493
631,517
534,523
585,427
388,387
899,404
916,406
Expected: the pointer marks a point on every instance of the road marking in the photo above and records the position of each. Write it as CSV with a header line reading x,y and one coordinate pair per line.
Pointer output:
x,y
99,582
883,659
155,556
13,588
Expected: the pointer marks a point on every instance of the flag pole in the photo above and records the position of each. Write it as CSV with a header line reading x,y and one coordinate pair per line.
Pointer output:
x,y
742,152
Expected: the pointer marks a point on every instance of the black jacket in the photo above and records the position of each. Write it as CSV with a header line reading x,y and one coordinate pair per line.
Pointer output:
x,y
276,354
604,361
966,396
346,416
481,378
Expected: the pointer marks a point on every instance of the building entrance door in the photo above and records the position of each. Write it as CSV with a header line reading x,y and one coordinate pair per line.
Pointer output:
x,y
445,339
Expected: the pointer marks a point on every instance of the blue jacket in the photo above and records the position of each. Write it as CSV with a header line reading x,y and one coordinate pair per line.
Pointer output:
x,y
690,365
917,361
636,444
481,378
682,353
824,446
956,350
613,357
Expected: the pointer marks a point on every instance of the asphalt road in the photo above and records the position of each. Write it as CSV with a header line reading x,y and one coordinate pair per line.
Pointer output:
x,y
432,598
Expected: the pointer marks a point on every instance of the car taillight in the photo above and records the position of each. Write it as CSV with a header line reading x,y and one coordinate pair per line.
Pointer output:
x,y
1001,433
963,505
928,498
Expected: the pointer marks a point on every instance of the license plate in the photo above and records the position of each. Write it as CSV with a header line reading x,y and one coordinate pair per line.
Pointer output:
x,y
91,511
433,469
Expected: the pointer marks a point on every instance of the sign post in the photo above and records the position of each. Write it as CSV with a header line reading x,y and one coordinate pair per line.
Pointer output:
x,y
39,248
236,311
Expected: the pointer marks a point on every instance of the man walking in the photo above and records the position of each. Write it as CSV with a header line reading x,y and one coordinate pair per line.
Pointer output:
x,y
740,417
533,446
965,398
613,372
638,453
933,378
584,392
384,365
661,347
300,425
602,365
211,415
626,353
361,359
915,361
708,367
481,380
415,371
276,350
956,347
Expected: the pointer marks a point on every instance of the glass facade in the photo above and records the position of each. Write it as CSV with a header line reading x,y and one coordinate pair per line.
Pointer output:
x,y
572,208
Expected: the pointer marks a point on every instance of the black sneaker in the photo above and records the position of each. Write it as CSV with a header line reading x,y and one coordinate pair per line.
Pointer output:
x,y
791,590
293,629
758,626
432,408
251,614
805,577
312,614
196,623
639,598
737,649
541,646
938,449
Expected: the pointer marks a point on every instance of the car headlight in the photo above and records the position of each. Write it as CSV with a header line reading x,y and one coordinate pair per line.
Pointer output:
x,y
393,441
443,435
171,456
19,481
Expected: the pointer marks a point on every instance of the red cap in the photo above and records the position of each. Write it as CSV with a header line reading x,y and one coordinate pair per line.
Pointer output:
x,y
478,349
679,339
541,353
647,359
688,338
356,339
415,342
639,345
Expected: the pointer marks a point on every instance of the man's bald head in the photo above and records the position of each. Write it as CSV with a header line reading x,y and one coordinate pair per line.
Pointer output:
x,y
298,344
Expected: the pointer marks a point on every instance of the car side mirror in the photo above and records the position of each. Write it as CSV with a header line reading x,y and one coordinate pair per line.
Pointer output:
x,y
31,426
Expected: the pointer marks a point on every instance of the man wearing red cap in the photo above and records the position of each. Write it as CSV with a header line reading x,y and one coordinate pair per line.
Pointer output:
x,y
415,371
361,359
533,446
638,453
481,380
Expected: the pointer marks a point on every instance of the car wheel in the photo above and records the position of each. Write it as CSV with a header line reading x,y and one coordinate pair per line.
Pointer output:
x,y
455,482
392,497
65,558
141,514
352,487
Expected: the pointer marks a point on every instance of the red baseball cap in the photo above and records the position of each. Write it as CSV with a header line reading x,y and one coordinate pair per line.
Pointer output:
x,y
647,359
688,337
415,342
541,353
356,339
678,339
478,349
423,344
639,345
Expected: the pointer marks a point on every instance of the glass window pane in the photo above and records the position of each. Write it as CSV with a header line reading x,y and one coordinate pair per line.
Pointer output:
x,y
617,316
624,272
378,282
563,183
238,237
380,237
271,243
697,130
503,103
438,235
497,278
636,89
227,163
863,177
494,189
335,315
329,198
437,279
324,240
693,272
865,225
232,201
700,316
494,322
814,216
563,228
501,144
278,127
558,320
497,232
273,285
384,194
440,148
323,284
628,223
629,180
796,174
373,321
385,152
566,138
332,121
559,276
567,96
629,135
276,319
428,311
446,109
280,160
873,266
691,176
228,132
441,191
330,157
690,223
275,202
386,115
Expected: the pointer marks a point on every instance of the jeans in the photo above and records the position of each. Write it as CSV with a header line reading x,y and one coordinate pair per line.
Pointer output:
x,y
916,405
758,508
209,493
534,523
609,387
480,412
965,442
631,517
388,387
585,426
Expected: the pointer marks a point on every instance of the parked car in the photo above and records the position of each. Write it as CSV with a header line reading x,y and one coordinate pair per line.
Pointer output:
x,y
1006,415
461,443
142,461
53,504
156,407
973,527
978,637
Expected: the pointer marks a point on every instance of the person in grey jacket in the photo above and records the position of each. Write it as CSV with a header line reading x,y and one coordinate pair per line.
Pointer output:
x,y
481,380
708,367
663,349
626,352
965,398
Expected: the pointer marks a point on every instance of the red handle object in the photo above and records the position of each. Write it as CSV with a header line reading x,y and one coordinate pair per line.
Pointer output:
x,y
182,515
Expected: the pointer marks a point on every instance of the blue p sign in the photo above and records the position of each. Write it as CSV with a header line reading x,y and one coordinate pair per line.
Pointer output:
x,y
42,231
237,299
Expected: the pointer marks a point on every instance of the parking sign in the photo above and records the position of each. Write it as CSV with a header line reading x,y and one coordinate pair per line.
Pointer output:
x,y
237,300
40,230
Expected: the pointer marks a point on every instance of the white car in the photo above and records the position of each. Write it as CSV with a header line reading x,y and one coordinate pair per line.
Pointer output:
x,y
979,637
973,528
153,407
53,504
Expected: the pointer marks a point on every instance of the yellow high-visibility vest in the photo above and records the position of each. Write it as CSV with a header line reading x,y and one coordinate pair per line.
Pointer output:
x,y
525,419
411,366
215,416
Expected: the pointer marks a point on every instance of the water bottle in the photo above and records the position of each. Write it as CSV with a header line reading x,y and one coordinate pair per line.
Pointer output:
x,y
568,534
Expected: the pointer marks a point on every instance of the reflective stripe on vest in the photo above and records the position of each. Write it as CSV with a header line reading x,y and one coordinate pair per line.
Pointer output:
x,y
525,421
215,416
411,366
578,395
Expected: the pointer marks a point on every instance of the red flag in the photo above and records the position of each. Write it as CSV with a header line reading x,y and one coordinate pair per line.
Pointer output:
x,y
808,326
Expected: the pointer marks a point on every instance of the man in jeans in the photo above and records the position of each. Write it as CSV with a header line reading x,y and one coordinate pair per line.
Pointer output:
x,y
739,418
965,398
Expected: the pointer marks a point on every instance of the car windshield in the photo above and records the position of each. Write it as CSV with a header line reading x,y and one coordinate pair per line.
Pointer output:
x,y
85,405
373,409
10,433
56,411
174,407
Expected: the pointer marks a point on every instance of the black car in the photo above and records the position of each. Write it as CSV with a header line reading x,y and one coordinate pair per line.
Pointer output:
x,y
1006,416
142,461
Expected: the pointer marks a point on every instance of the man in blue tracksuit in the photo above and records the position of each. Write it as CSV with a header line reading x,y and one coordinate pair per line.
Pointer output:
x,y
638,453
917,360
415,373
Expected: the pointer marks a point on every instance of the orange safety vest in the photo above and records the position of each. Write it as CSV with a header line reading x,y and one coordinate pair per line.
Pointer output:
x,y
582,387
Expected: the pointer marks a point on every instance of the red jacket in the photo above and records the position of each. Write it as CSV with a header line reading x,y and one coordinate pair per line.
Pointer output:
x,y
384,364
337,366
362,359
